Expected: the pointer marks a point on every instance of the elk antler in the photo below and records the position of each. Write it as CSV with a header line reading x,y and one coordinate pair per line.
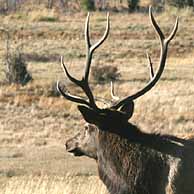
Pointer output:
x,y
112,91
163,54
83,83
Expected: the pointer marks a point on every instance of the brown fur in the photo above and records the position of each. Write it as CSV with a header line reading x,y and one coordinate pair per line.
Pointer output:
x,y
134,168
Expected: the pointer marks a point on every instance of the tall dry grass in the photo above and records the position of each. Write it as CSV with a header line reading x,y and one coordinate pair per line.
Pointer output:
x,y
54,185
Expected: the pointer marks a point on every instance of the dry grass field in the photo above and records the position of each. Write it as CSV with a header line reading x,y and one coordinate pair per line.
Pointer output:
x,y
34,125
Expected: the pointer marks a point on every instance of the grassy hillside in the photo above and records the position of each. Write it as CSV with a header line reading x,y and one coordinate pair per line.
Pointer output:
x,y
34,125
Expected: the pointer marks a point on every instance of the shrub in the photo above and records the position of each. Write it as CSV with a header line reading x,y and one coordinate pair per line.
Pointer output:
x,y
180,3
132,5
104,74
88,5
48,19
16,71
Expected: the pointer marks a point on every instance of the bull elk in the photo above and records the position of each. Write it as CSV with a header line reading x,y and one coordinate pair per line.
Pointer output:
x,y
130,161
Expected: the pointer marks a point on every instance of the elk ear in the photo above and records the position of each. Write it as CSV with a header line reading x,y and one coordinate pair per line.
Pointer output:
x,y
89,115
128,109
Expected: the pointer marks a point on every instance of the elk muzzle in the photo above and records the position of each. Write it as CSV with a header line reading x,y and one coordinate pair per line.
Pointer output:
x,y
72,147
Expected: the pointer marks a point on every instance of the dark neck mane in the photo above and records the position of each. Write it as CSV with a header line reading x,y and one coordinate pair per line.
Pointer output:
x,y
166,144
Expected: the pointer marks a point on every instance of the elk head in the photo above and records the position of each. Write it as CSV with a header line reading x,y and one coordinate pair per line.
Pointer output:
x,y
84,143
112,118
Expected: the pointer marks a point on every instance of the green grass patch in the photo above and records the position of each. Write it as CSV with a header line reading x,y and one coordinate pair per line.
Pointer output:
x,y
48,19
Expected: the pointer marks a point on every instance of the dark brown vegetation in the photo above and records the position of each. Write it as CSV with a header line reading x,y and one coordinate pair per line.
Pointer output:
x,y
16,69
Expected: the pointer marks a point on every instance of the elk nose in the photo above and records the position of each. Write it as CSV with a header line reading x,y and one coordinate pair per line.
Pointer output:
x,y
66,146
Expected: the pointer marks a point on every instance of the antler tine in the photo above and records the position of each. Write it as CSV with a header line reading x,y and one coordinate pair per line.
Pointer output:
x,y
158,30
113,92
89,52
92,48
66,94
87,33
71,97
74,80
150,66
163,54
83,83
155,25
173,33
104,37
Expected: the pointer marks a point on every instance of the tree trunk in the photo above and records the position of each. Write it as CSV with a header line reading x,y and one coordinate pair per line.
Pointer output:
x,y
6,5
50,4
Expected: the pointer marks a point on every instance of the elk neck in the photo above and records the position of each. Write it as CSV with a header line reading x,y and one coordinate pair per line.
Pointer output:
x,y
165,144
